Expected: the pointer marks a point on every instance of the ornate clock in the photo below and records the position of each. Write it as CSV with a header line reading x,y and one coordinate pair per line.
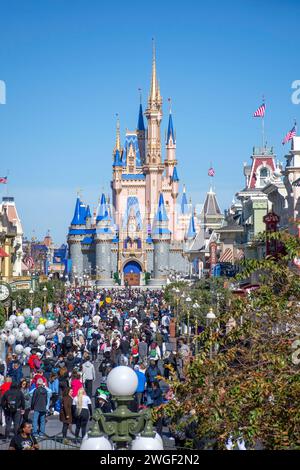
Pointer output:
x,y
5,291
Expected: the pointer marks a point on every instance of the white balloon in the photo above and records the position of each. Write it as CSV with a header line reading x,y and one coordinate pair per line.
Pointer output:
x,y
11,339
41,340
27,351
27,312
42,347
19,348
8,325
37,311
35,334
27,333
20,319
12,318
3,337
23,327
15,331
20,336
49,324
41,329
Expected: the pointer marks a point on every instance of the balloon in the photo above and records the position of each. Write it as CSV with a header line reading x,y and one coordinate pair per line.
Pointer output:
x,y
41,340
108,300
49,324
15,331
42,347
23,327
19,348
43,321
8,325
3,337
27,351
27,333
41,329
37,311
26,312
12,318
20,319
11,339
20,336
35,334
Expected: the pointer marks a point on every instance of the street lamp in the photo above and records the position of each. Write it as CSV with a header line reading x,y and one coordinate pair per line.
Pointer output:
x,y
31,294
45,291
188,301
122,428
196,307
210,317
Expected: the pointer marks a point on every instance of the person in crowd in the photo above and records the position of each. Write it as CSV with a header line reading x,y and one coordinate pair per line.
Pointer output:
x,y
24,439
13,404
40,405
139,394
76,383
65,415
82,410
89,375
25,389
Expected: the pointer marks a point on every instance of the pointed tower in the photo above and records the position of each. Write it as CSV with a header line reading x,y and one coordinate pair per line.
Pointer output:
x,y
103,238
161,237
211,216
154,167
170,161
141,135
116,184
191,233
75,236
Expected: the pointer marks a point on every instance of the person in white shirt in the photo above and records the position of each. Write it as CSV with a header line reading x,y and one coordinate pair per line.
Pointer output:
x,y
82,410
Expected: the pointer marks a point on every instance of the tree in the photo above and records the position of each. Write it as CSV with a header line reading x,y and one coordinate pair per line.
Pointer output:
x,y
251,387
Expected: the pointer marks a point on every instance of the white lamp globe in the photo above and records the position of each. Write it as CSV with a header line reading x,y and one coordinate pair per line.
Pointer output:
x,y
41,329
41,340
27,333
8,325
27,351
96,443
122,381
23,327
12,318
37,311
20,319
11,339
27,312
35,334
159,438
19,349
3,337
146,443
15,331
49,324
20,336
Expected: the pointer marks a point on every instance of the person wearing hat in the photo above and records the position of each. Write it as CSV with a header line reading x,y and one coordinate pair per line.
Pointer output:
x,y
103,402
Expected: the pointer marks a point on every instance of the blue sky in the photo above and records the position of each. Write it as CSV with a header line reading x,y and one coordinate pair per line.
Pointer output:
x,y
71,65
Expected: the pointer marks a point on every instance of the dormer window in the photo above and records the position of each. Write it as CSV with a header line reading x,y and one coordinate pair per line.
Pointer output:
x,y
263,176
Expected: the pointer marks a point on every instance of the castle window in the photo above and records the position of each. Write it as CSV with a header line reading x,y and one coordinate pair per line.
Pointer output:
x,y
263,175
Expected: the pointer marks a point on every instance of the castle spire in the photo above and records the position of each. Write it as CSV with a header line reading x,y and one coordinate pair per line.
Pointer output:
x,y
170,133
118,138
154,96
141,125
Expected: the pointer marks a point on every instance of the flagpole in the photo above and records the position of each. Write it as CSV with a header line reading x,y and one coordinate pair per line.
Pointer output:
x,y
263,127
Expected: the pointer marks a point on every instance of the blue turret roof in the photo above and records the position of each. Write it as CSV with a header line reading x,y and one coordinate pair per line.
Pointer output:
x,y
79,213
161,215
141,125
175,175
184,204
88,213
103,210
191,233
117,160
170,129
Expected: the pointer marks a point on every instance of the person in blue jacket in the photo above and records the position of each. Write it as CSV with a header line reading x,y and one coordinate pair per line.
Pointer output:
x,y
141,385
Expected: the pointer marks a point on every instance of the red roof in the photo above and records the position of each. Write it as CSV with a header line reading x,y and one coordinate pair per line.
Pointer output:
x,y
3,254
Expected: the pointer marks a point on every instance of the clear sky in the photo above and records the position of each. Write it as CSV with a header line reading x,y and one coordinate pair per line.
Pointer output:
x,y
71,65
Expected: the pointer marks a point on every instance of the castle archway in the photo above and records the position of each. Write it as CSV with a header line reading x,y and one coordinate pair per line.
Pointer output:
x,y
132,273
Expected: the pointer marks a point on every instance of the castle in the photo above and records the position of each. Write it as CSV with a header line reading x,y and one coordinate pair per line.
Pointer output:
x,y
144,232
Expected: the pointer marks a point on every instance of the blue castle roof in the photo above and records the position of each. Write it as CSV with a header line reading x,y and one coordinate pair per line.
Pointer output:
x,y
141,125
161,215
79,213
88,213
191,233
103,210
170,132
175,175
184,204
131,139
118,159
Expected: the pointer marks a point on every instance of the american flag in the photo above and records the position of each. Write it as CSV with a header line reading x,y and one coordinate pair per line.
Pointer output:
x,y
28,260
289,135
260,112
3,179
211,172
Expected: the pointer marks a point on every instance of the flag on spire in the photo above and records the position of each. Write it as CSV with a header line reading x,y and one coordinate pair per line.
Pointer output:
x,y
260,112
211,171
289,135
3,179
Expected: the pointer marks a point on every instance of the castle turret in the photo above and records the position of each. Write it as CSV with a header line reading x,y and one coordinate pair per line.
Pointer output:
x,y
141,135
170,161
161,237
75,236
103,239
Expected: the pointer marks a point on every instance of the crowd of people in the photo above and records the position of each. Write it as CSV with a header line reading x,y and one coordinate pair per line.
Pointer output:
x,y
95,332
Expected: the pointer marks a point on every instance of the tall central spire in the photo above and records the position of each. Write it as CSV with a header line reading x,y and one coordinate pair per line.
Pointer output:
x,y
118,138
154,96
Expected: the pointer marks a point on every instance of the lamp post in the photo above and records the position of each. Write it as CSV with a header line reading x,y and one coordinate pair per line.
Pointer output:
x,y
210,317
31,294
196,307
122,429
45,291
188,302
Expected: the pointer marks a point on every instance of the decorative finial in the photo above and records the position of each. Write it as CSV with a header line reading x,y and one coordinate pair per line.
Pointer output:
x,y
118,138
140,92
170,105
